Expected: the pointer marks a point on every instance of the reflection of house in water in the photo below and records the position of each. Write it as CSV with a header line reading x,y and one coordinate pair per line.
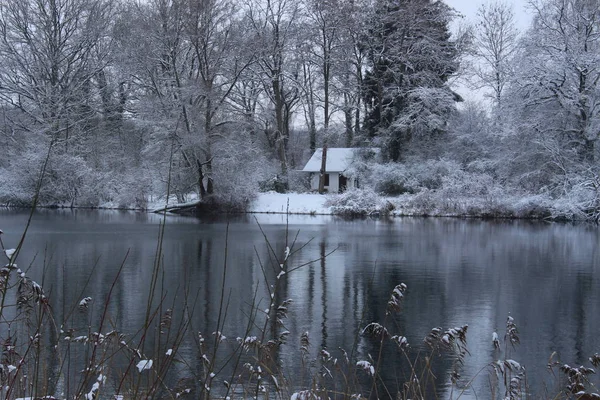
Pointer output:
x,y
338,163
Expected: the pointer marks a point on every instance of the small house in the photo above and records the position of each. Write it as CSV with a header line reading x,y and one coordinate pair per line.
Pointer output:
x,y
337,163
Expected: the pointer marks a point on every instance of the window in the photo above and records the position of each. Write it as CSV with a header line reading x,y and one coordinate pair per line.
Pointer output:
x,y
326,180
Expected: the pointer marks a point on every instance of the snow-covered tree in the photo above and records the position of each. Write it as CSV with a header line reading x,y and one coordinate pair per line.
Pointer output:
x,y
273,26
559,75
495,43
411,57
52,53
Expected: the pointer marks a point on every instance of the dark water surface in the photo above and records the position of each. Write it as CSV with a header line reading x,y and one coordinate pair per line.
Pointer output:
x,y
546,276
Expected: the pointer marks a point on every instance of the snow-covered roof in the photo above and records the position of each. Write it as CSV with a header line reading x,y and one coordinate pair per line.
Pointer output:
x,y
338,159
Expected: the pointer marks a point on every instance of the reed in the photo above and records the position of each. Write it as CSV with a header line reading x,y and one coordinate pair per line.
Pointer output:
x,y
44,358
83,355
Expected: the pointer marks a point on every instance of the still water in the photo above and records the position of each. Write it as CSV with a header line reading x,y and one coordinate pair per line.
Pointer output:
x,y
546,276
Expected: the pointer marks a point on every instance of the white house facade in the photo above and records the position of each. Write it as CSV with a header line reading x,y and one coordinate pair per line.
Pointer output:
x,y
337,164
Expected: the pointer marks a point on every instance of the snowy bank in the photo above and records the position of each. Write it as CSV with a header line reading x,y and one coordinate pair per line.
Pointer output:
x,y
426,203
293,203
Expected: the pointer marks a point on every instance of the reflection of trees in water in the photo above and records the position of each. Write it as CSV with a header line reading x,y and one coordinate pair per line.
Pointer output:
x,y
324,300
457,272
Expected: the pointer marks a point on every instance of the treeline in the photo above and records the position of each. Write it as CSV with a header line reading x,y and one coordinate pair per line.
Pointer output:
x,y
223,98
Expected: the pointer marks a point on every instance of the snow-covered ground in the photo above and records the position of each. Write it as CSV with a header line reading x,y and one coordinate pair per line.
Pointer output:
x,y
299,203
366,202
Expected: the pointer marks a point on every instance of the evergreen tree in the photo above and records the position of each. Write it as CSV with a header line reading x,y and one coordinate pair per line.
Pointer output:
x,y
411,57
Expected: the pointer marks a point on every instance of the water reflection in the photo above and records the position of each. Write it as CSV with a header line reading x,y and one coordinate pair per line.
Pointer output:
x,y
458,272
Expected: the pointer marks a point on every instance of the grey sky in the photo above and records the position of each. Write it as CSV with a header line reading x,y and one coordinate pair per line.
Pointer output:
x,y
469,9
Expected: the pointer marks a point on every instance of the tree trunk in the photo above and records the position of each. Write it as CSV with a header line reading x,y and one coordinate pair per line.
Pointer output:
x,y
280,134
323,169
201,180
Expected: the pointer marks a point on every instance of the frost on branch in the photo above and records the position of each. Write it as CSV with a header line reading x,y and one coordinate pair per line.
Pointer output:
x,y
9,253
304,344
144,365
396,298
514,371
495,340
375,329
512,333
250,342
282,311
304,395
29,292
220,336
366,366
93,393
576,377
84,303
453,340
401,341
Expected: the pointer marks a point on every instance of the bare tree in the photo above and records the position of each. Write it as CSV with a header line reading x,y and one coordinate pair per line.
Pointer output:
x,y
495,43
273,25
559,73
51,52
190,61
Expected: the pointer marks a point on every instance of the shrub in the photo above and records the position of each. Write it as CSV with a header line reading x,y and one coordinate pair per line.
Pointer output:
x,y
393,179
357,202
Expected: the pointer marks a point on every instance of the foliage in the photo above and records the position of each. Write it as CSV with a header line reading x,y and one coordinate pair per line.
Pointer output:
x,y
357,202
410,58
209,95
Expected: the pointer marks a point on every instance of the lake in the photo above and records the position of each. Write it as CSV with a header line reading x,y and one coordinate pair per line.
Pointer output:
x,y
458,271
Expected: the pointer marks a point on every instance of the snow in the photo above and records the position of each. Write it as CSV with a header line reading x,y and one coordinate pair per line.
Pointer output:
x,y
9,253
159,203
85,302
338,160
144,364
367,367
299,203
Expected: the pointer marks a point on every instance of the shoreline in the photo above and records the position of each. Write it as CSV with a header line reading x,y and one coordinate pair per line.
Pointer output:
x,y
372,215
311,204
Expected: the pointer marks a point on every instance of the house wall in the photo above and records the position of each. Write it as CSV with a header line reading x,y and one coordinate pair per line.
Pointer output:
x,y
334,182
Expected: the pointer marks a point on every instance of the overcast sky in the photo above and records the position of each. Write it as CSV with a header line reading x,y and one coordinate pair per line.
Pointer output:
x,y
469,9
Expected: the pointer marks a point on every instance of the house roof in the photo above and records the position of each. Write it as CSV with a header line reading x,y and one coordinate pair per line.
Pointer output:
x,y
338,159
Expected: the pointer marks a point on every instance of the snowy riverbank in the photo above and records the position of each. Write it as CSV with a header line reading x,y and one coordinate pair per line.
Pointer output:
x,y
366,202
426,203
293,203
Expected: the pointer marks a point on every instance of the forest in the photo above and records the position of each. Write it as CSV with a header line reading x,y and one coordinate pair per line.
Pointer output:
x,y
119,102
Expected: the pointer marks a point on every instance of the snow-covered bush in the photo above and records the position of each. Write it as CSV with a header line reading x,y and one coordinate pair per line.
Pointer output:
x,y
274,183
358,202
579,200
66,176
130,189
298,181
411,176
430,173
536,206
460,183
237,174
393,179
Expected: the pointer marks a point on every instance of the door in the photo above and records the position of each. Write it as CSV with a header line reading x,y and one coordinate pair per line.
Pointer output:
x,y
343,183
